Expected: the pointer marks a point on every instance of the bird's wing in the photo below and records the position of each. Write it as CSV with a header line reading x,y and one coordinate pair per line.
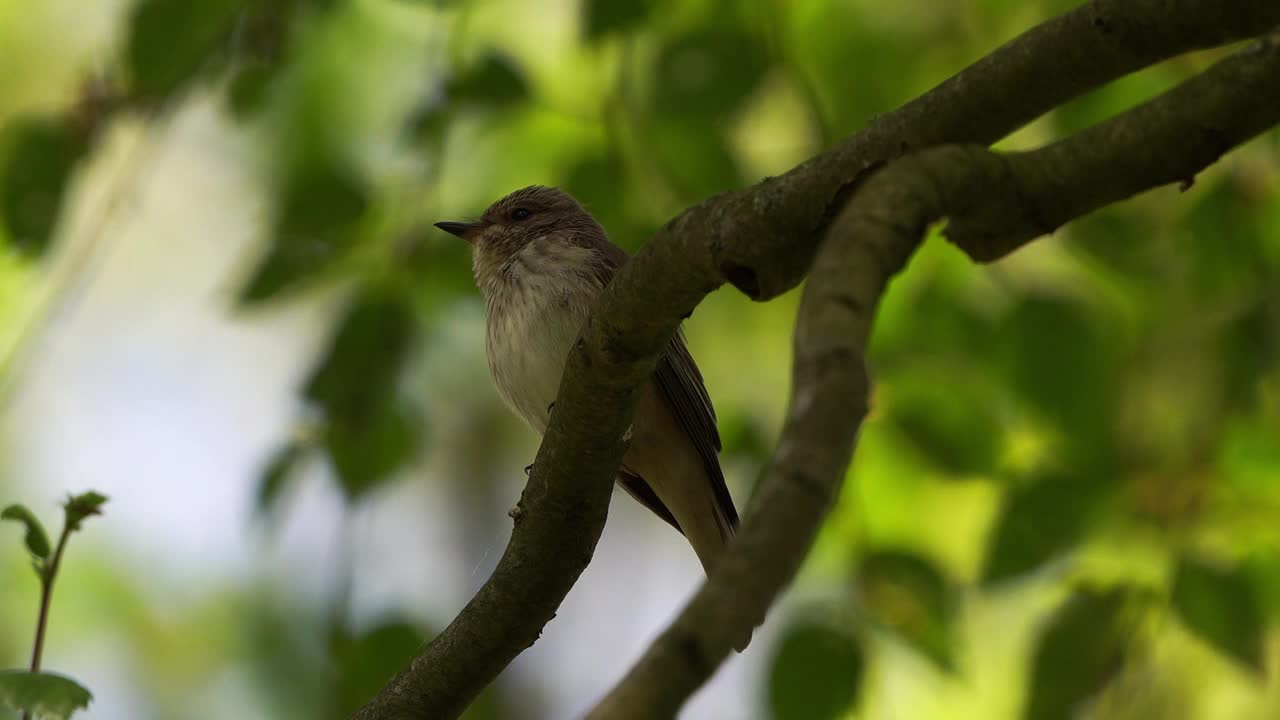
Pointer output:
x,y
637,488
681,384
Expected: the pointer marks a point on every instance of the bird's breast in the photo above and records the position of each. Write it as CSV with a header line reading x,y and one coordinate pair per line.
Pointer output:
x,y
531,325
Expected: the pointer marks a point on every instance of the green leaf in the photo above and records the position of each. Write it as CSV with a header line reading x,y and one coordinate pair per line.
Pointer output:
x,y
170,40
1221,606
701,78
816,672
248,88
595,180
950,424
696,157
1264,568
907,594
366,454
840,38
357,377
319,219
36,538
276,474
601,17
44,695
41,153
1080,650
368,435
495,81
79,507
365,663
1061,361
261,47
708,72
1039,522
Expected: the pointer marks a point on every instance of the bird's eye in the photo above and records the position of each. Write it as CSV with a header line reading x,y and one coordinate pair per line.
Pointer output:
x,y
520,214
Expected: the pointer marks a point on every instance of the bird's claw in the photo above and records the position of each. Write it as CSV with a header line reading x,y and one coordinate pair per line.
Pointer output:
x,y
528,469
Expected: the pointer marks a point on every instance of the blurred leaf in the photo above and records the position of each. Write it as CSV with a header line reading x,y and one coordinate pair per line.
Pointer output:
x,y
701,78
368,435
1250,345
934,317
37,539
276,474
358,374
439,270
744,434
428,122
367,453
170,40
261,45
365,663
287,657
950,424
79,507
1264,570
1039,522
815,674
44,695
41,154
1061,362
696,157
595,180
495,81
838,41
708,72
1225,209
908,595
1222,607
601,17
248,88
321,210
1080,650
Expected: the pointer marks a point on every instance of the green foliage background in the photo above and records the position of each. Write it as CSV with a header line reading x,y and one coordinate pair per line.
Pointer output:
x,y
1066,497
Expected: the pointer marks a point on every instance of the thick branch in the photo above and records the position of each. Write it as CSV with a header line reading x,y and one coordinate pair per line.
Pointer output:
x,y
762,240
769,232
1169,139
829,402
993,201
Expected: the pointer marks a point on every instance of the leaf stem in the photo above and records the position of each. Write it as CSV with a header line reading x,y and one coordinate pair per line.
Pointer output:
x,y
46,594
47,576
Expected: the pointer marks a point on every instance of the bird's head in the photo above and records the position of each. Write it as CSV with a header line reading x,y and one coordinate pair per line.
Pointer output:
x,y
533,213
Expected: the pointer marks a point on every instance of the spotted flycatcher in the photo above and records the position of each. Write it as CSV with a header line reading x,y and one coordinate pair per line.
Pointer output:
x,y
540,260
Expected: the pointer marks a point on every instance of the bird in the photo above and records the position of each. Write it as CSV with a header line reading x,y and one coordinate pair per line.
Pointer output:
x,y
540,260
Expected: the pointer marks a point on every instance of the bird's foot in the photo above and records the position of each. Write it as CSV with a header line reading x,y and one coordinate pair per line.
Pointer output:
x,y
626,436
528,469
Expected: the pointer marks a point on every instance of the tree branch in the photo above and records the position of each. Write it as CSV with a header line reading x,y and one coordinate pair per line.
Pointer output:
x,y
1169,139
762,240
828,403
996,203
772,229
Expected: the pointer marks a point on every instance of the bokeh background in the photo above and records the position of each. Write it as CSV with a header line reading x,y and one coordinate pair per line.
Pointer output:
x,y
222,304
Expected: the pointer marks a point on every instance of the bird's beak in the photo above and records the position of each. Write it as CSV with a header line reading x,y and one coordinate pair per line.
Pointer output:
x,y
466,231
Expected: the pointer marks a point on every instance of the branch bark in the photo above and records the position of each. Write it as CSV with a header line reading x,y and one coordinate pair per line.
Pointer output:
x,y
995,203
762,240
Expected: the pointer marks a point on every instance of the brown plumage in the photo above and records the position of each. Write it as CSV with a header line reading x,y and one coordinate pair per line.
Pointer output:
x,y
540,260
